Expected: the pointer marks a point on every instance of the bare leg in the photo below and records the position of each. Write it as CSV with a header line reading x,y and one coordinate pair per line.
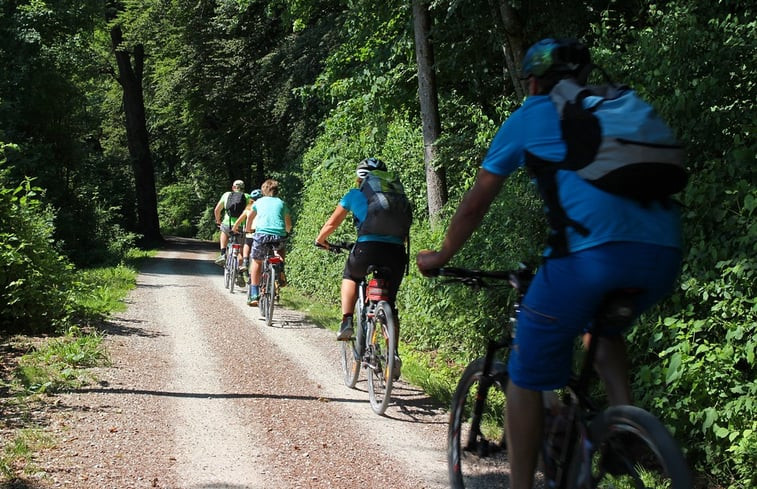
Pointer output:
x,y
255,272
349,296
524,427
611,364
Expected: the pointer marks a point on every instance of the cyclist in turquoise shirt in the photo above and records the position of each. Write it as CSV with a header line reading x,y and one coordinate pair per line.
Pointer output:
x,y
273,222
629,245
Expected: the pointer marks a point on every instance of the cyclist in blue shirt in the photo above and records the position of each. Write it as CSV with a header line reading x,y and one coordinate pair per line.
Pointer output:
x,y
629,245
370,249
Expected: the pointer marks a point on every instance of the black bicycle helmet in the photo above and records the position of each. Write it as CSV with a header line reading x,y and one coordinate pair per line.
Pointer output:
x,y
555,57
368,165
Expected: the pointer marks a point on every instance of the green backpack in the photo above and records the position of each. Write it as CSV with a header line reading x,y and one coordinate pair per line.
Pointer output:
x,y
389,210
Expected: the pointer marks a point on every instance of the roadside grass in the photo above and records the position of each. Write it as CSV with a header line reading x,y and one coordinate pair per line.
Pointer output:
x,y
325,315
60,363
434,374
17,456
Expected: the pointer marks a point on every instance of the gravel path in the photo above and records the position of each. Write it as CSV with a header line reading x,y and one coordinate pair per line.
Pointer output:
x,y
201,394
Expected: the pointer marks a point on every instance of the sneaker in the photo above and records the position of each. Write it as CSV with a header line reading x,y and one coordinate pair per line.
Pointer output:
x,y
252,300
240,280
221,260
345,330
243,266
397,367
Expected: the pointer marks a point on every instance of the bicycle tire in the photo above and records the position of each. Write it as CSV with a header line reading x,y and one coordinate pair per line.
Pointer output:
x,y
226,272
630,448
270,293
477,457
352,350
233,274
262,297
383,343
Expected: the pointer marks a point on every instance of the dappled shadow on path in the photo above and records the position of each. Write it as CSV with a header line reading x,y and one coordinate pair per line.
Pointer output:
x,y
121,327
24,484
209,395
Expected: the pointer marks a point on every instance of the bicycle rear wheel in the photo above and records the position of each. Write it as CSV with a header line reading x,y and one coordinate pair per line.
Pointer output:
x,y
351,351
267,295
262,287
476,445
226,272
233,274
383,344
631,448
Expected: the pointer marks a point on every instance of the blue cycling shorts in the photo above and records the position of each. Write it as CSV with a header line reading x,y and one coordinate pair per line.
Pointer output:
x,y
564,296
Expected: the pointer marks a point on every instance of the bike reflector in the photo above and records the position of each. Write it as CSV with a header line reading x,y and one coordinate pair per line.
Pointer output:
x,y
236,246
377,290
274,259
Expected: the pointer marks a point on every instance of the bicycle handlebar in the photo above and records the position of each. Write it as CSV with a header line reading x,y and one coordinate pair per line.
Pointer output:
x,y
518,279
336,247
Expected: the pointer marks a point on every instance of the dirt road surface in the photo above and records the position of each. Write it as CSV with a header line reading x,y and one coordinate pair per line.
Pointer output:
x,y
201,394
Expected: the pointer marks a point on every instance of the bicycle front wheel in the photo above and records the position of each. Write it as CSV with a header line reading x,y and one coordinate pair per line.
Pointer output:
x,y
630,448
382,346
476,444
351,351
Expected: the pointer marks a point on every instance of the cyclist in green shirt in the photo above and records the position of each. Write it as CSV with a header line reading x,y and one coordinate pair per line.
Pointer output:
x,y
231,211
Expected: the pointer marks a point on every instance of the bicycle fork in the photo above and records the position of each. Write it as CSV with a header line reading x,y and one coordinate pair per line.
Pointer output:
x,y
475,441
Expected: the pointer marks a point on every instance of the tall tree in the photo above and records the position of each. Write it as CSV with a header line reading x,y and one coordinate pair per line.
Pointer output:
x,y
130,64
436,187
512,46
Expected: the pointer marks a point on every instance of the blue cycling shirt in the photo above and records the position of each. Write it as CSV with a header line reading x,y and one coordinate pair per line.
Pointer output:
x,y
535,127
355,202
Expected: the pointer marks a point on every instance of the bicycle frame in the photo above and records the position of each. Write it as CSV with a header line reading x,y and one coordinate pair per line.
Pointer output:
x,y
231,267
269,282
374,347
581,446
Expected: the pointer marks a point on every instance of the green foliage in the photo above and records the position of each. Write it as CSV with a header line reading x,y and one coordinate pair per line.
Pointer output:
x,y
34,290
178,206
457,320
100,291
19,452
695,355
58,363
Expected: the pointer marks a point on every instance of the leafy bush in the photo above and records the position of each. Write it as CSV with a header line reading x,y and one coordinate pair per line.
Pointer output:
x,y
695,354
178,206
35,277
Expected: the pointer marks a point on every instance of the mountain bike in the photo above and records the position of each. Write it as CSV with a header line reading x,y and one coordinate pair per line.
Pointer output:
x,y
374,343
231,272
583,446
270,280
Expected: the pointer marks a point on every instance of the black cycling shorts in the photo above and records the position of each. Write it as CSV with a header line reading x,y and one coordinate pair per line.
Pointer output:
x,y
378,254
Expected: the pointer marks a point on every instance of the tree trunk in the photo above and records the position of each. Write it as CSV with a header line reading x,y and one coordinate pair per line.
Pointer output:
x,y
130,79
512,47
436,185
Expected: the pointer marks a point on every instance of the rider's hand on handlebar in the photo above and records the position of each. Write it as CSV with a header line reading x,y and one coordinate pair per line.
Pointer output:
x,y
429,262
